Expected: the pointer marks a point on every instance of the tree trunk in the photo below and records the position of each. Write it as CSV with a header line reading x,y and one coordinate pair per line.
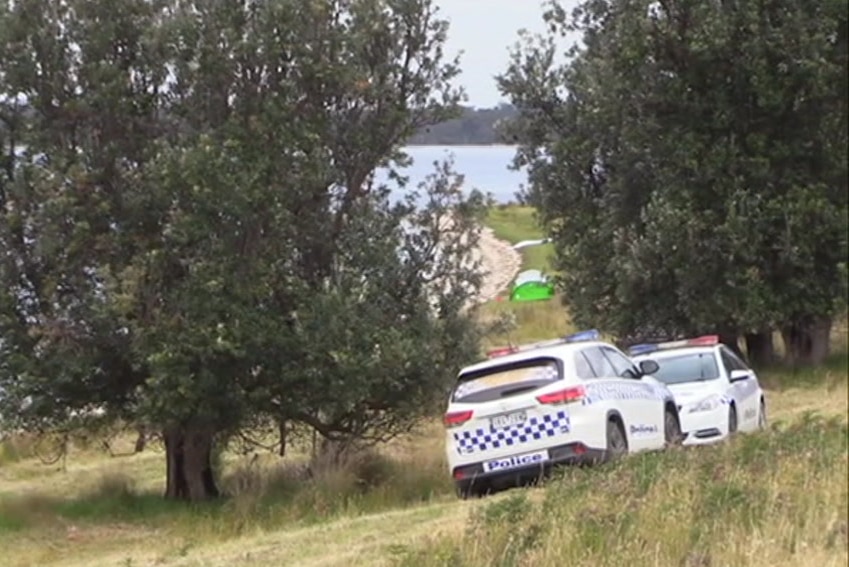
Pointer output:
x,y
760,348
821,340
732,341
281,427
188,453
141,440
807,342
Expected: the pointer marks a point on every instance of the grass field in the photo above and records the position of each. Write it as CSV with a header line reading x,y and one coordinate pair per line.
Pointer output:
x,y
515,223
778,498
772,498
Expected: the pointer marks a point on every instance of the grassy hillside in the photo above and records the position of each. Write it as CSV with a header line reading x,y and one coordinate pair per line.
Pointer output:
x,y
773,498
768,499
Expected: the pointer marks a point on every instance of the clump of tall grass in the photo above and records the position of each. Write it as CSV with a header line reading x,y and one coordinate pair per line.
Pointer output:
x,y
773,498
254,496
16,447
355,483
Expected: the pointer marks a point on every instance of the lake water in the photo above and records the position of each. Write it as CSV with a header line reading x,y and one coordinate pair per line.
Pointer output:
x,y
485,168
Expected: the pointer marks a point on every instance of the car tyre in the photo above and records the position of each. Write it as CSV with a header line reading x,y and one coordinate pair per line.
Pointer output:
x,y
762,422
672,429
466,490
732,420
617,443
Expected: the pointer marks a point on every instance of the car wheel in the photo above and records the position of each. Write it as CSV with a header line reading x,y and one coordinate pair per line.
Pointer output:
x,y
466,490
732,420
762,423
617,443
671,429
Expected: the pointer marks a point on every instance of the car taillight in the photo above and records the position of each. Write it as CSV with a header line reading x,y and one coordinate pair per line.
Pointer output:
x,y
453,419
563,396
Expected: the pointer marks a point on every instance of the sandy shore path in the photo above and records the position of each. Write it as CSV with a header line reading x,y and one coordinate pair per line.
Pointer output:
x,y
499,262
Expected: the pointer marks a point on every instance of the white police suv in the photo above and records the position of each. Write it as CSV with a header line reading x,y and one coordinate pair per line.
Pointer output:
x,y
716,392
570,400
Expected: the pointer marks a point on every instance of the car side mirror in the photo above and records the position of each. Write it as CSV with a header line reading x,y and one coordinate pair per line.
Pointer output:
x,y
738,375
648,367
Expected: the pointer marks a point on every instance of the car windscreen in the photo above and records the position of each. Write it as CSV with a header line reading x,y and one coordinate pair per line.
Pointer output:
x,y
683,368
506,380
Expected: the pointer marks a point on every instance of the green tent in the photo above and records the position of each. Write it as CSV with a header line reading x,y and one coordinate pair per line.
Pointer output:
x,y
531,285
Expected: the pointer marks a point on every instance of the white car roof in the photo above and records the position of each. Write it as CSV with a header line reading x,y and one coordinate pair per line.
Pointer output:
x,y
665,353
558,351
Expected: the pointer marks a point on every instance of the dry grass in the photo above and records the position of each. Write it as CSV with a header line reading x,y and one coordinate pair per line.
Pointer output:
x,y
396,506
533,321
776,498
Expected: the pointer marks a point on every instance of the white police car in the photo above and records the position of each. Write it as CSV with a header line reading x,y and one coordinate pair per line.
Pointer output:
x,y
568,400
716,392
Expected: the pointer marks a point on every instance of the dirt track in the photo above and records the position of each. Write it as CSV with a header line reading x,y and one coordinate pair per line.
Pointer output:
x,y
500,264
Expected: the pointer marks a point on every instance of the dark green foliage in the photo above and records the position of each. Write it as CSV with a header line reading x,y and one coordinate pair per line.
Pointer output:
x,y
191,234
690,163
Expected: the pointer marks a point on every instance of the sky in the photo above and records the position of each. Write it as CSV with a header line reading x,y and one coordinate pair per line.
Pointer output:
x,y
485,30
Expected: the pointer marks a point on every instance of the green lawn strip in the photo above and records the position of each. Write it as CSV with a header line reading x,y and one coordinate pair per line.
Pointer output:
x,y
515,223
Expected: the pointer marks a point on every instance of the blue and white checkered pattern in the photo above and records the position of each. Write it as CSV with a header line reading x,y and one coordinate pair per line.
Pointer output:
x,y
534,429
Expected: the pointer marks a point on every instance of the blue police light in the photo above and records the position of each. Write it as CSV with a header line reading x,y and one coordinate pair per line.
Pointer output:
x,y
590,335
642,349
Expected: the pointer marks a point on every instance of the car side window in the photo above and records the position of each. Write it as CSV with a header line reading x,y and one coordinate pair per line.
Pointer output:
x,y
726,361
741,364
582,367
599,363
623,367
730,361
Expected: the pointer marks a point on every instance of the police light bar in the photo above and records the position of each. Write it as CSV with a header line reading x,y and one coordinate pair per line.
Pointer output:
x,y
590,335
500,351
705,340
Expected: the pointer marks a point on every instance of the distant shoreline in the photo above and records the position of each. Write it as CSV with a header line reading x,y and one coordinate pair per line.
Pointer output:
x,y
460,145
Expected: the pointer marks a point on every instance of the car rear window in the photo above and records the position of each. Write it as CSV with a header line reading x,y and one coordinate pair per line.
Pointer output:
x,y
687,368
507,380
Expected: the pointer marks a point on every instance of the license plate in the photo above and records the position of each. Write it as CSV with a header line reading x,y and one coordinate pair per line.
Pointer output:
x,y
516,461
508,420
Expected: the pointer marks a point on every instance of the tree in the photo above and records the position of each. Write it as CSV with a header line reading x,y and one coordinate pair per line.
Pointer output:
x,y
192,236
675,158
